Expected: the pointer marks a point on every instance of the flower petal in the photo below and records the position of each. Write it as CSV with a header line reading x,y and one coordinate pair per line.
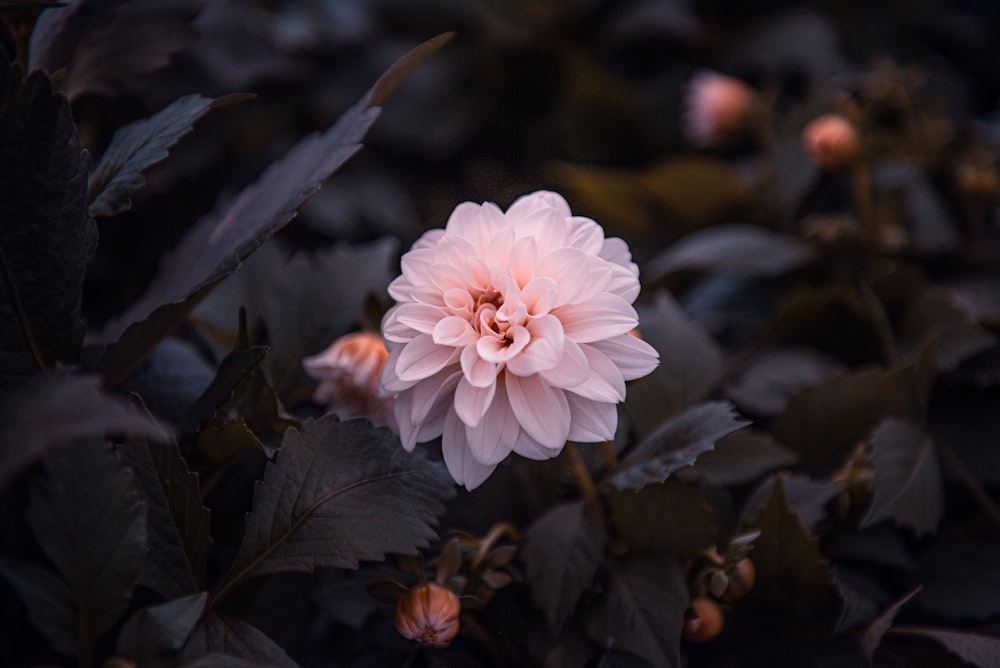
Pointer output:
x,y
493,439
478,371
541,410
634,357
421,358
472,402
545,349
601,317
591,421
605,382
462,466
427,395
421,317
572,368
454,331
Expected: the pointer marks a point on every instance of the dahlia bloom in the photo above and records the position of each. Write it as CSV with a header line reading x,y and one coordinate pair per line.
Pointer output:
x,y
348,373
716,109
428,613
830,141
511,334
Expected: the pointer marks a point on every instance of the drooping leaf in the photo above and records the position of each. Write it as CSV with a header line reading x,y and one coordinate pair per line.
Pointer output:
x,y
675,444
46,238
220,241
961,580
976,648
56,407
670,517
179,538
642,610
768,378
690,364
741,457
219,634
861,598
339,493
161,630
572,532
137,147
107,44
805,496
233,370
872,637
746,250
790,568
907,484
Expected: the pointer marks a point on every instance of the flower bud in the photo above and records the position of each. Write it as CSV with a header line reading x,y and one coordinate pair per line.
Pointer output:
x,y
740,581
830,141
428,614
717,108
978,179
348,373
706,623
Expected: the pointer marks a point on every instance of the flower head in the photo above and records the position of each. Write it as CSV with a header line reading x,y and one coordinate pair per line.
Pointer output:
x,y
348,373
716,109
511,334
831,141
428,613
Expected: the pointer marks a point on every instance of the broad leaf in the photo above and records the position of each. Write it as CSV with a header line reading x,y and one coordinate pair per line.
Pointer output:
x,y
790,568
54,408
675,444
219,242
872,637
46,238
233,370
218,634
333,484
160,630
961,580
907,486
48,600
805,496
137,147
742,457
669,517
766,380
178,520
976,648
860,597
642,610
572,532
937,314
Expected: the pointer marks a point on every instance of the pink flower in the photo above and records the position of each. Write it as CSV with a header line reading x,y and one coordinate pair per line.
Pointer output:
x,y
348,373
830,141
511,334
717,108
428,613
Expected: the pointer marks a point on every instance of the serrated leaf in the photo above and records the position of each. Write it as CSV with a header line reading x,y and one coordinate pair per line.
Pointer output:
x,y
135,148
860,599
937,314
233,370
46,238
669,517
742,457
178,520
805,496
872,637
906,487
339,493
572,532
161,630
961,580
216,245
642,610
976,648
790,568
220,634
766,380
56,407
675,444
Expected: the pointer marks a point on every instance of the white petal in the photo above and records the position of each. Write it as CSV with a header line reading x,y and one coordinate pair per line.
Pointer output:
x,y
421,358
599,318
541,410
464,468
472,402
634,357
591,421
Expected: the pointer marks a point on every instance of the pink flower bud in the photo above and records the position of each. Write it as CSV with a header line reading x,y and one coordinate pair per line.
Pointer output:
x,y
428,614
348,373
830,141
717,108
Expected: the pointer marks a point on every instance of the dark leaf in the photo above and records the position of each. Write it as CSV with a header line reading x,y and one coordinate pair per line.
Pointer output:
x,y
746,250
938,315
107,44
217,444
642,610
975,648
861,599
161,629
219,242
742,457
233,370
572,532
46,237
804,495
675,444
766,380
171,379
790,568
178,520
961,580
333,484
881,545
669,517
907,480
137,147
690,364
48,601
56,407
872,637
220,634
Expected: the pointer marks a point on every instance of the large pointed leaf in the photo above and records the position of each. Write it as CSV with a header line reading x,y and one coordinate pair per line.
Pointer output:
x,y
643,609
339,493
56,407
976,648
907,480
675,444
872,637
742,457
220,241
573,533
137,147
218,634
46,237
161,630
178,520
670,517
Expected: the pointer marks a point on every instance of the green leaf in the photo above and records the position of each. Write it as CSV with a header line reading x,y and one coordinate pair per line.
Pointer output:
x,y
161,630
218,634
46,238
338,493
675,444
573,533
961,580
670,517
790,568
178,520
872,637
219,242
56,407
137,147
642,610
742,457
975,648
907,486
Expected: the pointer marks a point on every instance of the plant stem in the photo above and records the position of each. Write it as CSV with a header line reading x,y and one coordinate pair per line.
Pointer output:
x,y
584,480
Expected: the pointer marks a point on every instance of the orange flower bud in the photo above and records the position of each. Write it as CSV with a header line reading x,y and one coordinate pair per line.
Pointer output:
x,y
716,109
741,581
706,623
348,373
831,141
428,614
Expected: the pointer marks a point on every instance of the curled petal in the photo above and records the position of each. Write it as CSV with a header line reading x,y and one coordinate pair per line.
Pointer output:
x,y
421,358
541,410
634,357
478,372
545,350
454,331
599,318
605,382
539,295
420,317
572,368
591,421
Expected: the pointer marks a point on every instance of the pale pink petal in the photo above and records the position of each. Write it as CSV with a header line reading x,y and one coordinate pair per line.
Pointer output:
x,y
539,295
395,331
390,382
526,204
493,439
546,227
478,372
545,350
599,318
499,350
407,429
572,368
462,466
521,261
421,358
531,449
454,331
427,396
472,402
542,410
585,234
420,317
591,421
569,269
605,382
634,357
446,277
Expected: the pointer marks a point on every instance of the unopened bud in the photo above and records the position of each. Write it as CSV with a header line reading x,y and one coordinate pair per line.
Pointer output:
x,y
717,108
428,614
831,141
705,621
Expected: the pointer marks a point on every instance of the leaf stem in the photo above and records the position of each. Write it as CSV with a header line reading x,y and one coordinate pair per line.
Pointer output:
x,y
584,480
22,316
